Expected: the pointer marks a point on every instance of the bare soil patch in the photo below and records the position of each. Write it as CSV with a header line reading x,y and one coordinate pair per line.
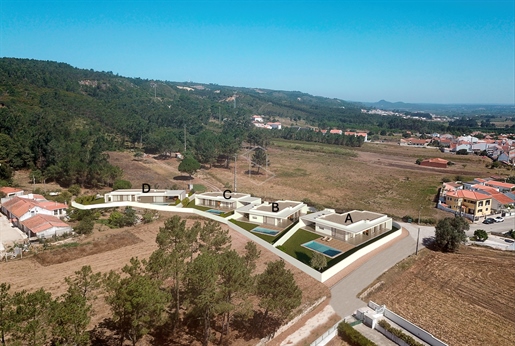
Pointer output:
x,y
464,298
108,243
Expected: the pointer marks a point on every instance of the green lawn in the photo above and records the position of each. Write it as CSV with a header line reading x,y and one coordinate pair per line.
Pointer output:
x,y
199,188
249,226
191,204
293,245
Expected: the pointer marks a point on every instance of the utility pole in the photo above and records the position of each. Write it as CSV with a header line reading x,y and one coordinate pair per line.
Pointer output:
x,y
235,187
185,139
418,233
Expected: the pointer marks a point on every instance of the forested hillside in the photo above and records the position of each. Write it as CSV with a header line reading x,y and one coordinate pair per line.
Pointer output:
x,y
59,120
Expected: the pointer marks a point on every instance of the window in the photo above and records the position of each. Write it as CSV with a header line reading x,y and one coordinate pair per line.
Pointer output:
x,y
488,202
56,212
480,204
480,210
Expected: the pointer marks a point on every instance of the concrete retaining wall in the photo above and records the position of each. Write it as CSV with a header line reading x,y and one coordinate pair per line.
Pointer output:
x,y
329,273
410,327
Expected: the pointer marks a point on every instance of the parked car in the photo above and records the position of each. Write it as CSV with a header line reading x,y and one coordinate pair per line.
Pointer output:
x,y
489,220
499,219
509,241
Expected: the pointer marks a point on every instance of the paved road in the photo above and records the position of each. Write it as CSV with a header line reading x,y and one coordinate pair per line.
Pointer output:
x,y
343,294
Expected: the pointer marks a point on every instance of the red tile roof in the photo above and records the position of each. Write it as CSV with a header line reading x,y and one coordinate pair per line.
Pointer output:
x,y
40,223
8,190
19,206
502,198
49,205
500,184
468,194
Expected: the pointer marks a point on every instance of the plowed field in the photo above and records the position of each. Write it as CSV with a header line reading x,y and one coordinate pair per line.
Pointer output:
x,y
465,299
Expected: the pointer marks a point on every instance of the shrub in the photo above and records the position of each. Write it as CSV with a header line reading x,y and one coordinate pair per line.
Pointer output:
x,y
352,336
185,201
122,184
400,334
407,218
85,226
74,190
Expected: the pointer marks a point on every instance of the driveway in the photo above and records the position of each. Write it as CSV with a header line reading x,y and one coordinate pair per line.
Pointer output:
x,y
343,294
9,234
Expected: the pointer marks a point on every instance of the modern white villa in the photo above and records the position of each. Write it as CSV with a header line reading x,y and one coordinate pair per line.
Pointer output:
x,y
279,214
152,196
353,227
225,200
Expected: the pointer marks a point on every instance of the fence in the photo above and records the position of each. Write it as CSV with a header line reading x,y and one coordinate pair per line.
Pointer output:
x,y
327,336
468,216
410,327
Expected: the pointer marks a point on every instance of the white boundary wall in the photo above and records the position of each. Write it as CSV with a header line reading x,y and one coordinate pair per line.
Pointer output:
x,y
305,268
410,327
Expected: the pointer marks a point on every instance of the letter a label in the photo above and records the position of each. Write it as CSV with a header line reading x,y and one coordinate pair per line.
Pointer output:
x,y
348,218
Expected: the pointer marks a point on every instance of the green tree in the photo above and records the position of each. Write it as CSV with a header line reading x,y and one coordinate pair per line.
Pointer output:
x,y
122,184
31,318
85,282
418,161
203,290
189,165
259,159
6,310
70,317
251,255
174,243
450,233
278,292
136,301
318,261
85,226
206,147
74,190
213,238
235,284
481,234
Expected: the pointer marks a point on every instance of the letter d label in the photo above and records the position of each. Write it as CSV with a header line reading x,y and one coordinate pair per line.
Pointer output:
x,y
275,207
145,188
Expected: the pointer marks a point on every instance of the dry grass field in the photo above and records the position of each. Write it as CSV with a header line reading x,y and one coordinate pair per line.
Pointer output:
x,y
465,298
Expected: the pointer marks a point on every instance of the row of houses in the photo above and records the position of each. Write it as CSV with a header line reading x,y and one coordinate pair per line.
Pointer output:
x,y
478,198
33,214
346,133
350,226
500,149
258,121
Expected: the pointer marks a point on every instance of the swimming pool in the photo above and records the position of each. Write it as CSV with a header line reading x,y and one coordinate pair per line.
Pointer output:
x,y
265,231
323,249
214,211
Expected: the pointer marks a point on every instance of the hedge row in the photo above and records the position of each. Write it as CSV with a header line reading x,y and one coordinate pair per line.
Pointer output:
x,y
400,334
352,336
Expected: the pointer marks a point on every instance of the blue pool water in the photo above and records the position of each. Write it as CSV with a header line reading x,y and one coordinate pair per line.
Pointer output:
x,y
214,211
265,231
323,249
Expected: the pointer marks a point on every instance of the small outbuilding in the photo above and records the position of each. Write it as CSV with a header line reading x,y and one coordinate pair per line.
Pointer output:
x,y
435,162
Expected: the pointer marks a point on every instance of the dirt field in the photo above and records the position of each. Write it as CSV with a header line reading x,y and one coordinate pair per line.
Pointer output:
x,y
29,274
465,299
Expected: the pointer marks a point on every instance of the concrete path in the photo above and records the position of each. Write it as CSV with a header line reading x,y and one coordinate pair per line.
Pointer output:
x,y
343,294
374,336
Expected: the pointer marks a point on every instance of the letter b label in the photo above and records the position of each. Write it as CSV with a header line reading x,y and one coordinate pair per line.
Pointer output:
x,y
275,207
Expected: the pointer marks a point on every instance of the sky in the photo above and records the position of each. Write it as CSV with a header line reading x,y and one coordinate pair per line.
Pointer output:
x,y
410,51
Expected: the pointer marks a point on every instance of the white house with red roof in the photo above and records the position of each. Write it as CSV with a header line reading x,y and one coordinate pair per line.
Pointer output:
x,y
10,192
19,209
44,226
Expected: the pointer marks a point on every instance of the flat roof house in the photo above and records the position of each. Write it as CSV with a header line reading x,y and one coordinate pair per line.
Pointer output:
x,y
44,226
279,214
137,195
231,200
354,227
